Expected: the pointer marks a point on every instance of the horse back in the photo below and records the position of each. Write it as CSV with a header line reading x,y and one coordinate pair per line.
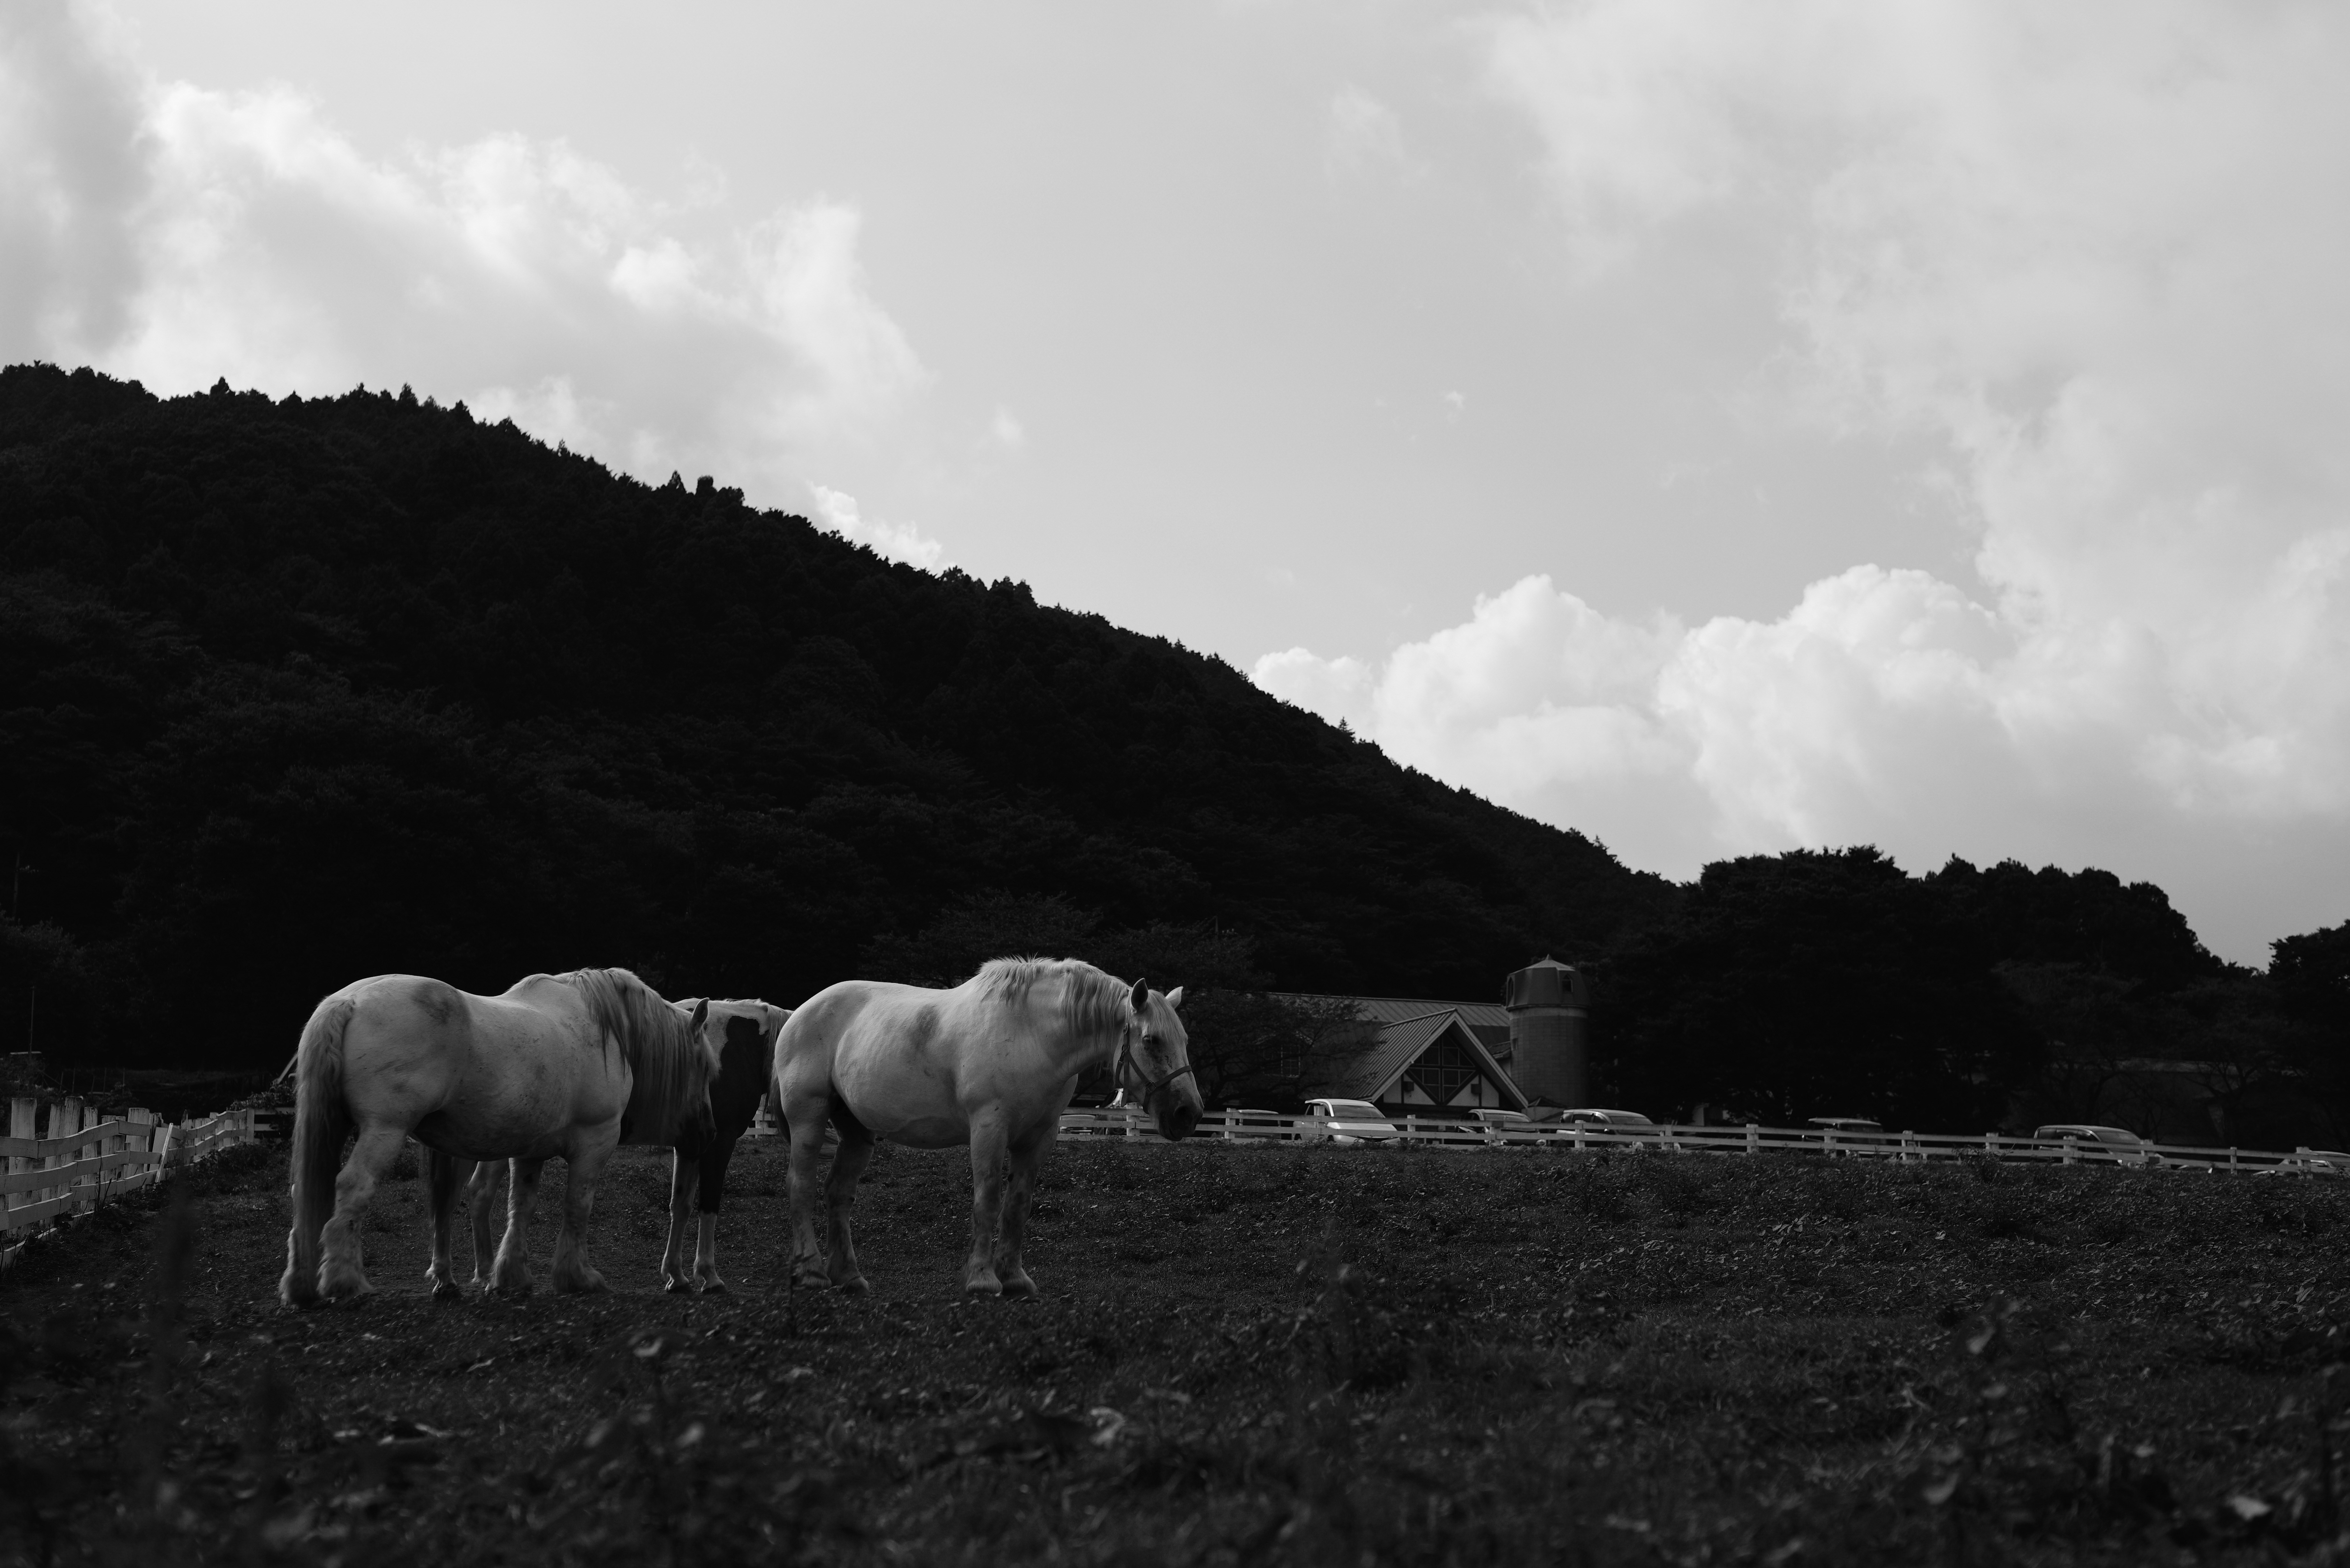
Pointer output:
x,y
906,1061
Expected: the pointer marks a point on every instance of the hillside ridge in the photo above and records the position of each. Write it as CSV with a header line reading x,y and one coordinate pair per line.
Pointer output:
x,y
306,688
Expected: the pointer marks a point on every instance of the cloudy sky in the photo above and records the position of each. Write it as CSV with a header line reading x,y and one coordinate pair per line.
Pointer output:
x,y
1720,425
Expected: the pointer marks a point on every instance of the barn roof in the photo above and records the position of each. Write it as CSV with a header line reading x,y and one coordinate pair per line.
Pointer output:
x,y
1396,1043
1488,1021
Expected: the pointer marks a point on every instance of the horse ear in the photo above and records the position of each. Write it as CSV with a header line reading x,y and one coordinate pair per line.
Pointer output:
x,y
700,1011
1175,997
1141,997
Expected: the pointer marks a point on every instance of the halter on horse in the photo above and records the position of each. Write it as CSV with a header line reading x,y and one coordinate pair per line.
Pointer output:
x,y
991,1063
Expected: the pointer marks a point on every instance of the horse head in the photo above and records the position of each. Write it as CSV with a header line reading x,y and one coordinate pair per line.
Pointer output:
x,y
1155,1058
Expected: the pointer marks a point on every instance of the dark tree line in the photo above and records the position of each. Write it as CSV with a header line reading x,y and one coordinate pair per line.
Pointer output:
x,y
1831,983
296,691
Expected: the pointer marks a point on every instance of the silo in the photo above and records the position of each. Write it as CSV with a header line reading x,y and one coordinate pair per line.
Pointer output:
x,y
1548,1003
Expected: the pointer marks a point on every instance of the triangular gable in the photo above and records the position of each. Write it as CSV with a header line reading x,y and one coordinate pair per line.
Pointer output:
x,y
1416,1037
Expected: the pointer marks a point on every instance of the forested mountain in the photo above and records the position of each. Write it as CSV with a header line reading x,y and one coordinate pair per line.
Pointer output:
x,y
296,691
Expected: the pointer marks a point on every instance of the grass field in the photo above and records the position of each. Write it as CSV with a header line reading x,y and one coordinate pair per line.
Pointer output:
x,y
1242,1354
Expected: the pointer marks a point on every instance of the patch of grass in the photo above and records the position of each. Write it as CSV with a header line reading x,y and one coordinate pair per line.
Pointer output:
x,y
1242,1354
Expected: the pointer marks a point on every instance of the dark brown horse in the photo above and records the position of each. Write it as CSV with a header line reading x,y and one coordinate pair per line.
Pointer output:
x,y
746,1033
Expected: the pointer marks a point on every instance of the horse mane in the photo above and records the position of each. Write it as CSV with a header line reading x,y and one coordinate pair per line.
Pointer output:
x,y
668,1067
1093,1003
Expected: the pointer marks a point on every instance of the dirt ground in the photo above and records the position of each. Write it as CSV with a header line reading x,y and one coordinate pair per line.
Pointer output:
x,y
1242,1354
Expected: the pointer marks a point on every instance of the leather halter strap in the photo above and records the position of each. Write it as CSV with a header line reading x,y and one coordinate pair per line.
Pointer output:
x,y
1127,1061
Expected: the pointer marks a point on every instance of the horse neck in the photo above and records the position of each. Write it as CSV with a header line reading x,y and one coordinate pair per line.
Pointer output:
x,y
1084,1037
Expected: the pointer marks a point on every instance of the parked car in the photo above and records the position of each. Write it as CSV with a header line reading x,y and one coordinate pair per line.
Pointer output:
x,y
1240,1124
2310,1162
1498,1122
1600,1118
1855,1136
1349,1121
2116,1145
1591,1116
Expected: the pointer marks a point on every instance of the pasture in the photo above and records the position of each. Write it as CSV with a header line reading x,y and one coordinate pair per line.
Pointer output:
x,y
1240,1355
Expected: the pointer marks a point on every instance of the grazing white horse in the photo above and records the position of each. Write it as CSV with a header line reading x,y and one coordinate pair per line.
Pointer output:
x,y
991,1063
569,1064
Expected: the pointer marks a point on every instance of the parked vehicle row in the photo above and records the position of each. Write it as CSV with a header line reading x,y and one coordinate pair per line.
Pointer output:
x,y
1343,1121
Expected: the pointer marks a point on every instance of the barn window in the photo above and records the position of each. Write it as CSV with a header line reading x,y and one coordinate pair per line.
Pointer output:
x,y
1442,1072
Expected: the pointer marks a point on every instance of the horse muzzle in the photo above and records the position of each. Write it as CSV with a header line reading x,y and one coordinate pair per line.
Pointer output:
x,y
1176,1120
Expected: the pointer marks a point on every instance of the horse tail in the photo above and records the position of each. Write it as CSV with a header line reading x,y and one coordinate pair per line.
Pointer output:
x,y
321,1122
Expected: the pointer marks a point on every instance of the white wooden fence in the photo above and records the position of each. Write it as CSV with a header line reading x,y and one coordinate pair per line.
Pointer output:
x,y
1751,1139
79,1161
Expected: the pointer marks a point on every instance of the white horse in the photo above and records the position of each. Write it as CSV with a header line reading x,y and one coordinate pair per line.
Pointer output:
x,y
697,1164
566,1065
991,1063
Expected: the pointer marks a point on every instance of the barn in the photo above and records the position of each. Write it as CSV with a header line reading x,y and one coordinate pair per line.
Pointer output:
x,y
1416,1056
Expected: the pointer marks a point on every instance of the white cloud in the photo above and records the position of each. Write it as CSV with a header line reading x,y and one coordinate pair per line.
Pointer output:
x,y
836,510
2100,251
177,235
1006,430
1363,137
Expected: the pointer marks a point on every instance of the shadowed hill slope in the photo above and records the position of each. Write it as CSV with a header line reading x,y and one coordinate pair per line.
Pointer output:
x,y
296,691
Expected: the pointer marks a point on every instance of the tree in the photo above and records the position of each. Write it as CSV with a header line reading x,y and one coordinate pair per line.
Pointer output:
x,y
2311,976
1811,983
2093,1025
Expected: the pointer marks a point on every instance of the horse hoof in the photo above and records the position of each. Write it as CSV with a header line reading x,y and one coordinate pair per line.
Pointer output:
x,y
712,1285
810,1280
856,1285
981,1288
1020,1286
678,1287
446,1291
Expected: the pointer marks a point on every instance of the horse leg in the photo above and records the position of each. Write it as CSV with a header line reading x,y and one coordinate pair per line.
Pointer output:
x,y
839,1194
807,1123
481,1209
712,1192
512,1271
684,1179
1026,1159
987,1155
572,1272
340,1271
446,1175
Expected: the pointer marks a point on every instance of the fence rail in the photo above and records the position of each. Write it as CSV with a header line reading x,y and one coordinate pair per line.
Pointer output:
x,y
80,1161
1751,1139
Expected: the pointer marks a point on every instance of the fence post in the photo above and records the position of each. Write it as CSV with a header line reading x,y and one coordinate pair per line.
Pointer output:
x,y
141,1138
2072,1148
1754,1138
67,1122
21,1111
2231,1157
